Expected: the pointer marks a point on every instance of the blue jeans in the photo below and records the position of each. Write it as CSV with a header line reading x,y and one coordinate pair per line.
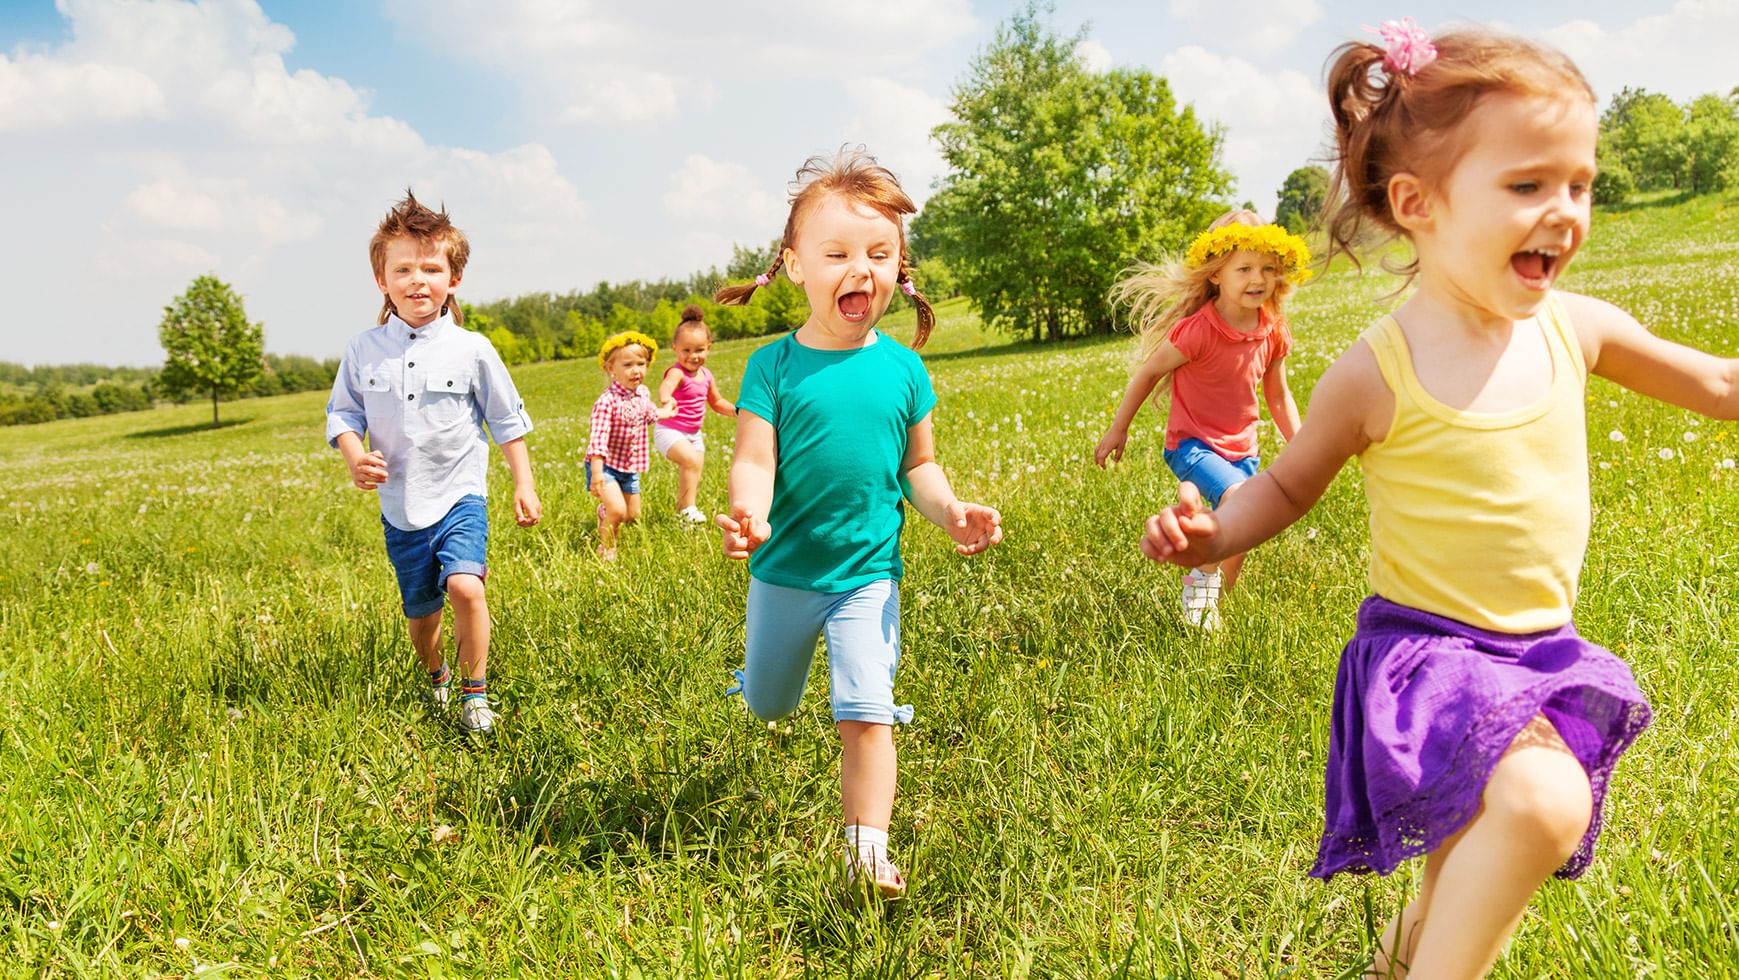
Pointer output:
x,y
423,560
629,482
863,649
1213,474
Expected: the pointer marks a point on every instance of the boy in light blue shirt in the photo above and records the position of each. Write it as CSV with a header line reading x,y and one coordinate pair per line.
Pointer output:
x,y
420,387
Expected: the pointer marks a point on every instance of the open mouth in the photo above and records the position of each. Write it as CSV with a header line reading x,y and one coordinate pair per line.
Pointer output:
x,y
853,307
1535,266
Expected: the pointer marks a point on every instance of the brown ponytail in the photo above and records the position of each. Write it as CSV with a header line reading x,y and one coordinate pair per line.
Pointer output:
x,y
926,313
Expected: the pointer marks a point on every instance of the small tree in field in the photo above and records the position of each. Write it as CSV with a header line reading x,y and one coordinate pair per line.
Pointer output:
x,y
210,344
1301,198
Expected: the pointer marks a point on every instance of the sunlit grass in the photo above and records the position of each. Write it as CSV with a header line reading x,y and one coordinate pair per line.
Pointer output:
x,y
216,758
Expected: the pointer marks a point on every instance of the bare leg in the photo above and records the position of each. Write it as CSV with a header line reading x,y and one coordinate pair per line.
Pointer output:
x,y
1534,811
615,512
1395,947
630,508
868,770
1230,567
470,624
426,639
688,462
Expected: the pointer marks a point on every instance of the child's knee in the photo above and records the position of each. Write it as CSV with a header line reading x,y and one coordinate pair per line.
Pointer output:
x,y
631,508
1543,794
769,705
464,589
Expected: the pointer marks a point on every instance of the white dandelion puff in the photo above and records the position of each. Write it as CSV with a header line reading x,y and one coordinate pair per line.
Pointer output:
x,y
91,568
1666,453
1615,436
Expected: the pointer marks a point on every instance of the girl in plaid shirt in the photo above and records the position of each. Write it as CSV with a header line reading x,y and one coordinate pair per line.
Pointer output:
x,y
616,453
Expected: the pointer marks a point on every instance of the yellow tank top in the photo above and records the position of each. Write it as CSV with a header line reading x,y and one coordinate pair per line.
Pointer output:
x,y
1481,517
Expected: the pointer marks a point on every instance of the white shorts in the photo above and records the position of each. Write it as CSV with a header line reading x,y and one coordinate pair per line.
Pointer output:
x,y
663,437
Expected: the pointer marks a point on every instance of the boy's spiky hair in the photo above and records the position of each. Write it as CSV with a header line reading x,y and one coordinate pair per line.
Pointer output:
x,y
410,218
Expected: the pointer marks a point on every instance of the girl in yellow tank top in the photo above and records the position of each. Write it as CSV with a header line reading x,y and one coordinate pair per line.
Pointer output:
x,y
1471,723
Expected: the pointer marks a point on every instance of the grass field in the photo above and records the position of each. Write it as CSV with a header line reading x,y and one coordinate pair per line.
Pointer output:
x,y
217,762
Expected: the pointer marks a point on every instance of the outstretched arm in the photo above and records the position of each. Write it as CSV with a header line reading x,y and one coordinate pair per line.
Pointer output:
x,y
1161,363
1620,349
974,527
1281,408
751,486
1350,408
718,402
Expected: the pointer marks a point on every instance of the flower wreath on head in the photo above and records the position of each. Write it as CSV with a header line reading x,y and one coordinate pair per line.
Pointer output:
x,y
616,342
1293,254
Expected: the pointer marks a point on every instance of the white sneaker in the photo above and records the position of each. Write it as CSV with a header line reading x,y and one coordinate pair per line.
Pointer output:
x,y
1201,599
476,716
692,515
439,697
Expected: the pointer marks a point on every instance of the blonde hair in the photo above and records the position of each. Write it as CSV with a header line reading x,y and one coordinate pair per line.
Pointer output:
x,y
1156,296
621,341
1391,122
411,219
856,176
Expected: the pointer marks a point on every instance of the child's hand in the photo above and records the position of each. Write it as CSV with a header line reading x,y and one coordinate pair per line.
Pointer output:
x,y
369,471
667,408
595,487
744,532
974,527
1181,533
527,509
1110,447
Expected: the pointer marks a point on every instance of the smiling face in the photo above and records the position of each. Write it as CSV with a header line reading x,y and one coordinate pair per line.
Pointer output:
x,y
1516,207
691,347
846,258
417,277
627,366
1246,281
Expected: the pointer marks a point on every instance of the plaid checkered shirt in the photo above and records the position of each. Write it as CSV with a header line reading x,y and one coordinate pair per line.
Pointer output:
x,y
619,422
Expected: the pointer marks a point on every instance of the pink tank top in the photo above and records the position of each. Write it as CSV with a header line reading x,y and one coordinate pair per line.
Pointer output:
x,y
690,398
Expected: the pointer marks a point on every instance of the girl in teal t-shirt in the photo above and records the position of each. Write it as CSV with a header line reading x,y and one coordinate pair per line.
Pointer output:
x,y
833,434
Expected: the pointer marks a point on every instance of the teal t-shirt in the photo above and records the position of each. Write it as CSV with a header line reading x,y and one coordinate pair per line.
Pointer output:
x,y
841,419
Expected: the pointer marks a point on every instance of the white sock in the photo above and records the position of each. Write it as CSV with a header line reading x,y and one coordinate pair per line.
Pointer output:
x,y
863,839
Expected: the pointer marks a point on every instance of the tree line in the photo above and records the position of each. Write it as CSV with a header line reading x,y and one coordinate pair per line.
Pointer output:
x,y
1648,142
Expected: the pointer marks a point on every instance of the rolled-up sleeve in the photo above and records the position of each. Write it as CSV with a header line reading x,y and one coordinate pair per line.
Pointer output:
x,y
344,411
503,409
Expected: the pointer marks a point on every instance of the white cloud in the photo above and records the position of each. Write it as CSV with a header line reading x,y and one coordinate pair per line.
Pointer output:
x,y
722,194
232,163
1683,52
42,92
1093,56
1261,26
1273,120
894,122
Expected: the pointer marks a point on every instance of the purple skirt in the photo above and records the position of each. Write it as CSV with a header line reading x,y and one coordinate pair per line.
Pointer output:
x,y
1424,706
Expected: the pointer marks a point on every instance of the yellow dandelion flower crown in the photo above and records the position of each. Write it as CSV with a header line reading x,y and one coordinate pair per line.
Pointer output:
x,y
616,342
1272,239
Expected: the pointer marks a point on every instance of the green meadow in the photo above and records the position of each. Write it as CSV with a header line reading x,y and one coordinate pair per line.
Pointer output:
x,y
217,761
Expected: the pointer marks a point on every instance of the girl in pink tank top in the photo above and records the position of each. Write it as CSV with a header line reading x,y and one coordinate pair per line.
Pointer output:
x,y
692,387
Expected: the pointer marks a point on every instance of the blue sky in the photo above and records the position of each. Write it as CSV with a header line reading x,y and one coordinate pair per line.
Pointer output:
x,y
149,141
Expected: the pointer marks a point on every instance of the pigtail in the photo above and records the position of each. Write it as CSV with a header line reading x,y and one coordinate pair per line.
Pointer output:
x,y
1359,94
386,310
455,310
739,295
926,313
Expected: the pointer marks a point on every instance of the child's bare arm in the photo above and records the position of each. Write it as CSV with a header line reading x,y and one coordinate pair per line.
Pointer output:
x,y
1350,409
527,509
667,387
1281,406
367,469
1162,362
974,527
751,486
1620,349
718,402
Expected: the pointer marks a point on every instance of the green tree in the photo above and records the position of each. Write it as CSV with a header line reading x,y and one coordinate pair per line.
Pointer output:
x,y
1301,198
1648,133
210,344
1613,182
1712,143
1060,178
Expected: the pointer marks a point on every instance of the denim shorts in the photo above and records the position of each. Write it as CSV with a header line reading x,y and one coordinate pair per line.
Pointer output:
x,y
862,627
629,482
457,544
1213,474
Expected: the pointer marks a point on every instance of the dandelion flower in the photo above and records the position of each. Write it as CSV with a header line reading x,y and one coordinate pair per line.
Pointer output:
x,y
1690,437
182,942
91,568
1616,436
1605,465
144,507
1727,463
1666,453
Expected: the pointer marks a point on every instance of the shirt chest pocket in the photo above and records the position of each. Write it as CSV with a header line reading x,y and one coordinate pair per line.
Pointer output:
x,y
446,396
379,391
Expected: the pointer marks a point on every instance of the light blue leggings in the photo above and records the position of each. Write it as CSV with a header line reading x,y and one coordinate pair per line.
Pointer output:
x,y
862,627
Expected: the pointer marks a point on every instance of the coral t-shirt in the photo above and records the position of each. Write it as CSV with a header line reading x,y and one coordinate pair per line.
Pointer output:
x,y
1213,396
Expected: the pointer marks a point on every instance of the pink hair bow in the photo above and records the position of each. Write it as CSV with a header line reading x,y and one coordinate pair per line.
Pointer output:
x,y
763,279
909,288
1407,47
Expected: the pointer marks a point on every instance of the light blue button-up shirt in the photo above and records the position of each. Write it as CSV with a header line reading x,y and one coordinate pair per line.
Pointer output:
x,y
421,396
